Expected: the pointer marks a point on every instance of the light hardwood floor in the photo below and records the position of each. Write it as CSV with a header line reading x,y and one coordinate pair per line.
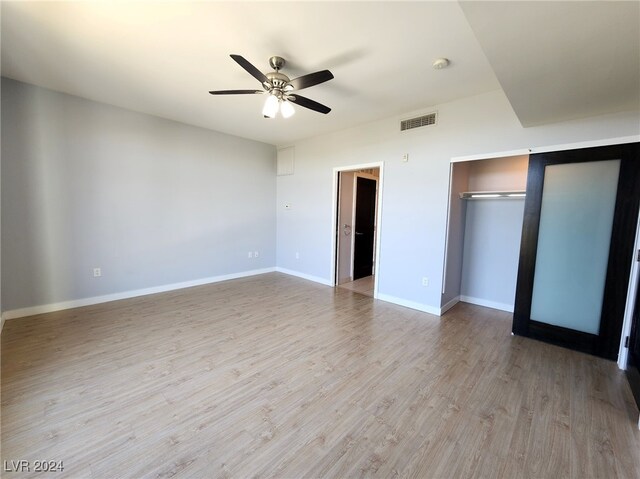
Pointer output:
x,y
274,376
363,285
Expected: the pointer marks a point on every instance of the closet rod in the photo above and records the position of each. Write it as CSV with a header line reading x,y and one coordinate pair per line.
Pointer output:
x,y
492,195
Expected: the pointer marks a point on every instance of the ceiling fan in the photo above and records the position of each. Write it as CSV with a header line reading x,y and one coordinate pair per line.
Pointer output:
x,y
280,88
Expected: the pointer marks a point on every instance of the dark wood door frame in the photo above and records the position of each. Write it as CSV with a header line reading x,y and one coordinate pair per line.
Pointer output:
x,y
607,343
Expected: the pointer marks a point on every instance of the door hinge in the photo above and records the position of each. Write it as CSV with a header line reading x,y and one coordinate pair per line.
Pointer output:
x,y
626,342
638,256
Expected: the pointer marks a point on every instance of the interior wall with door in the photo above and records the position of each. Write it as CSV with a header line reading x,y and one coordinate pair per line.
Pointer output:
x,y
414,192
356,229
485,223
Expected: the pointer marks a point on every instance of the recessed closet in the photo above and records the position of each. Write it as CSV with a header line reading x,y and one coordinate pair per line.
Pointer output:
x,y
486,206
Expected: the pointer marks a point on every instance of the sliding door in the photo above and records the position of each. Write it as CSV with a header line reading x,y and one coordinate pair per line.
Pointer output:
x,y
577,245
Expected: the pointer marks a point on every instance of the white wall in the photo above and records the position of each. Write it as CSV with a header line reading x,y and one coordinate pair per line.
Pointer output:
x,y
154,202
150,201
414,202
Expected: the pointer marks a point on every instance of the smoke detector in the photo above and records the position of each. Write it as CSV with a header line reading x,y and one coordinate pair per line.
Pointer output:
x,y
440,63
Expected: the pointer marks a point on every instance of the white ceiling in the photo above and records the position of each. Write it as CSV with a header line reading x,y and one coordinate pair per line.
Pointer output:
x,y
562,60
162,58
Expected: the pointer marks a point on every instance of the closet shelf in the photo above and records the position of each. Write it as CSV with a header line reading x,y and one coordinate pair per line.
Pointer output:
x,y
492,195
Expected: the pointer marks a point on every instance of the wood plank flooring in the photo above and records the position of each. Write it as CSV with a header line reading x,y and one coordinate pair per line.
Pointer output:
x,y
274,376
363,285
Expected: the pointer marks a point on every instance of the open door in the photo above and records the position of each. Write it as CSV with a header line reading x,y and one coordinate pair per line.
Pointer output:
x,y
365,216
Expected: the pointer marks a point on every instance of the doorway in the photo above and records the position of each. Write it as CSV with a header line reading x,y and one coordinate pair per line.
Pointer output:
x,y
356,234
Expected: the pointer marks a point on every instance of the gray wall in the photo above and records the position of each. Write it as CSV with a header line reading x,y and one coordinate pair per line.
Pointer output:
x,y
150,201
491,252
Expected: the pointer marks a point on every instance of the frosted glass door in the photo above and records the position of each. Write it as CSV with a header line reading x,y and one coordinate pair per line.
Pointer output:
x,y
576,217
577,247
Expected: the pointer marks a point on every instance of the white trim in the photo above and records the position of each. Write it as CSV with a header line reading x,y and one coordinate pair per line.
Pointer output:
x,y
334,218
487,304
76,303
449,305
587,144
632,289
425,308
446,233
489,156
309,277
544,149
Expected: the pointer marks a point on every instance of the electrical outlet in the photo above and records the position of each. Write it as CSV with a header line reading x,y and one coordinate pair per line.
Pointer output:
x,y
425,281
297,255
249,254
256,254
97,272
405,157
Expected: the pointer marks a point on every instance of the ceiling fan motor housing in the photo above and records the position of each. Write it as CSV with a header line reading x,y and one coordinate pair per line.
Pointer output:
x,y
277,62
278,80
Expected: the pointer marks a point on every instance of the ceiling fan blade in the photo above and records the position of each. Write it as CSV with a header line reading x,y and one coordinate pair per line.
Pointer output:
x,y
310,104
305,81
253,71
235,92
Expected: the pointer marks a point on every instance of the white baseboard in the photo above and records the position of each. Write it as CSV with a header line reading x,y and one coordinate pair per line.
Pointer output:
x,y
486,303
383,297
409,304
48,308
315,279
76,303
449,305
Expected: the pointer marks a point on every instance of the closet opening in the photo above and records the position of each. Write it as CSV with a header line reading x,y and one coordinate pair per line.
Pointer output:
x,y
486,211
356,236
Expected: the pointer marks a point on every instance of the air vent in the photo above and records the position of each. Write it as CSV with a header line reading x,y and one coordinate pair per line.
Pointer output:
x,y
425,120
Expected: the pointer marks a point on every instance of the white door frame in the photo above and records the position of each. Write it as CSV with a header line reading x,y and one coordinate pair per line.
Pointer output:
x,y
334,218
634,274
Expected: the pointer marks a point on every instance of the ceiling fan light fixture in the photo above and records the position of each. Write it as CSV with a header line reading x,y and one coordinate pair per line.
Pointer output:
x,y
286,108
278,87
270,108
